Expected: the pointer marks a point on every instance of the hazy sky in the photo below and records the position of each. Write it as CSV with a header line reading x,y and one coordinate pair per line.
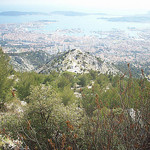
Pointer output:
x,y
87,4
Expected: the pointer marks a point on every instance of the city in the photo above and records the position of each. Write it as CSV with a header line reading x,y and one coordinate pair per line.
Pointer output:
x,y
113,46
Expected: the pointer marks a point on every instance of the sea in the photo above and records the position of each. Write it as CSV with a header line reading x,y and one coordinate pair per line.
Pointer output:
x,y
87,24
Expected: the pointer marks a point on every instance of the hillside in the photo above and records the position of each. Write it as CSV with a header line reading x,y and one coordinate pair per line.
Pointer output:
x,y
78,62
73,61
65,110
28,61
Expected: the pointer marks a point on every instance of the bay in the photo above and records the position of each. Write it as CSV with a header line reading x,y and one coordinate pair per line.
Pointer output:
x,y
86,24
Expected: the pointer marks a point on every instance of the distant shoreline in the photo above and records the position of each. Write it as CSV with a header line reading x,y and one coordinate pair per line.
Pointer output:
x,y
65,13
136,18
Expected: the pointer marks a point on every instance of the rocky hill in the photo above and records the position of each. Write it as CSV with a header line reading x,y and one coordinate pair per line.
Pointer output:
x,y
73,61
78,62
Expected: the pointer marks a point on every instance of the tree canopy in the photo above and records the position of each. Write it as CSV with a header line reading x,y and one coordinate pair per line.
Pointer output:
x,y
5,71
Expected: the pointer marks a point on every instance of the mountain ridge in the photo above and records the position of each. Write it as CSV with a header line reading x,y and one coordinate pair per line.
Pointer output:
x,y
20,13
72,61
78,62
65,13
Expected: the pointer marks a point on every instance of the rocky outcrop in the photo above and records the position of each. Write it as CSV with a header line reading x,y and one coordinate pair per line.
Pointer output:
x,y
78,62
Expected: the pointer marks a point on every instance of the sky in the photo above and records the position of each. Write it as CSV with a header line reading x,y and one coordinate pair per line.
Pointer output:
x,y
141,5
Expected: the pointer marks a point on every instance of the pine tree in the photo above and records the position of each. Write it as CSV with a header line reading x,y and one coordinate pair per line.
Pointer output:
x,y
4,72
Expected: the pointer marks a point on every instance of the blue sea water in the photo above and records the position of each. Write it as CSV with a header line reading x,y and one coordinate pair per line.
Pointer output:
x,y
87,24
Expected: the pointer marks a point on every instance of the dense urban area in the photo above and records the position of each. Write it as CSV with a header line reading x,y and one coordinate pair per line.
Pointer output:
x,y
113,46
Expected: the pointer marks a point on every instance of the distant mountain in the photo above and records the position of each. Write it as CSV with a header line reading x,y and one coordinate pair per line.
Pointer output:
x,y
47,21
65,13
136,18
73,13
19,13
28,61
78,62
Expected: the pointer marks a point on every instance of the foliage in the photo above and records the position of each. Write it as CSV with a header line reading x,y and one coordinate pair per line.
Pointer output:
x,y
83,80
112,113
93,74
67,95
88,101
102,80
5,71
46,118
51,77
62,82
25,81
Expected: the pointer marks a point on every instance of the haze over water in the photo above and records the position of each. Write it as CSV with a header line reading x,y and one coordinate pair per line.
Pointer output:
x,y
86,24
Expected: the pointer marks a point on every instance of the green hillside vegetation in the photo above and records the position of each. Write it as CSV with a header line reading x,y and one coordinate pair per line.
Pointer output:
x,y
72,111
5,71
136,71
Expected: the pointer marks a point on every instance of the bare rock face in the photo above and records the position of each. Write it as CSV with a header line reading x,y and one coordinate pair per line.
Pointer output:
x,y
77,61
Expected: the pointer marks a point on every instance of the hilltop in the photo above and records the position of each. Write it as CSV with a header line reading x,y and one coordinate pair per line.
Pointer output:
x,y
78,62
72,61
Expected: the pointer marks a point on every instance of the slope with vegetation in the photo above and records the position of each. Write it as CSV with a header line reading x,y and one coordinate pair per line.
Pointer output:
x,y
65,110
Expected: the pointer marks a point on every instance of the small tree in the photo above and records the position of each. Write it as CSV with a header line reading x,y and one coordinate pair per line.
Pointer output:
x,y
5,70
67,95
26,80
42,101
83,80
46,120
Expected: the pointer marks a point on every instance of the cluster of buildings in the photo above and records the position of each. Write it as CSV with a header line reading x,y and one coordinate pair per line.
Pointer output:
x,y
114,46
